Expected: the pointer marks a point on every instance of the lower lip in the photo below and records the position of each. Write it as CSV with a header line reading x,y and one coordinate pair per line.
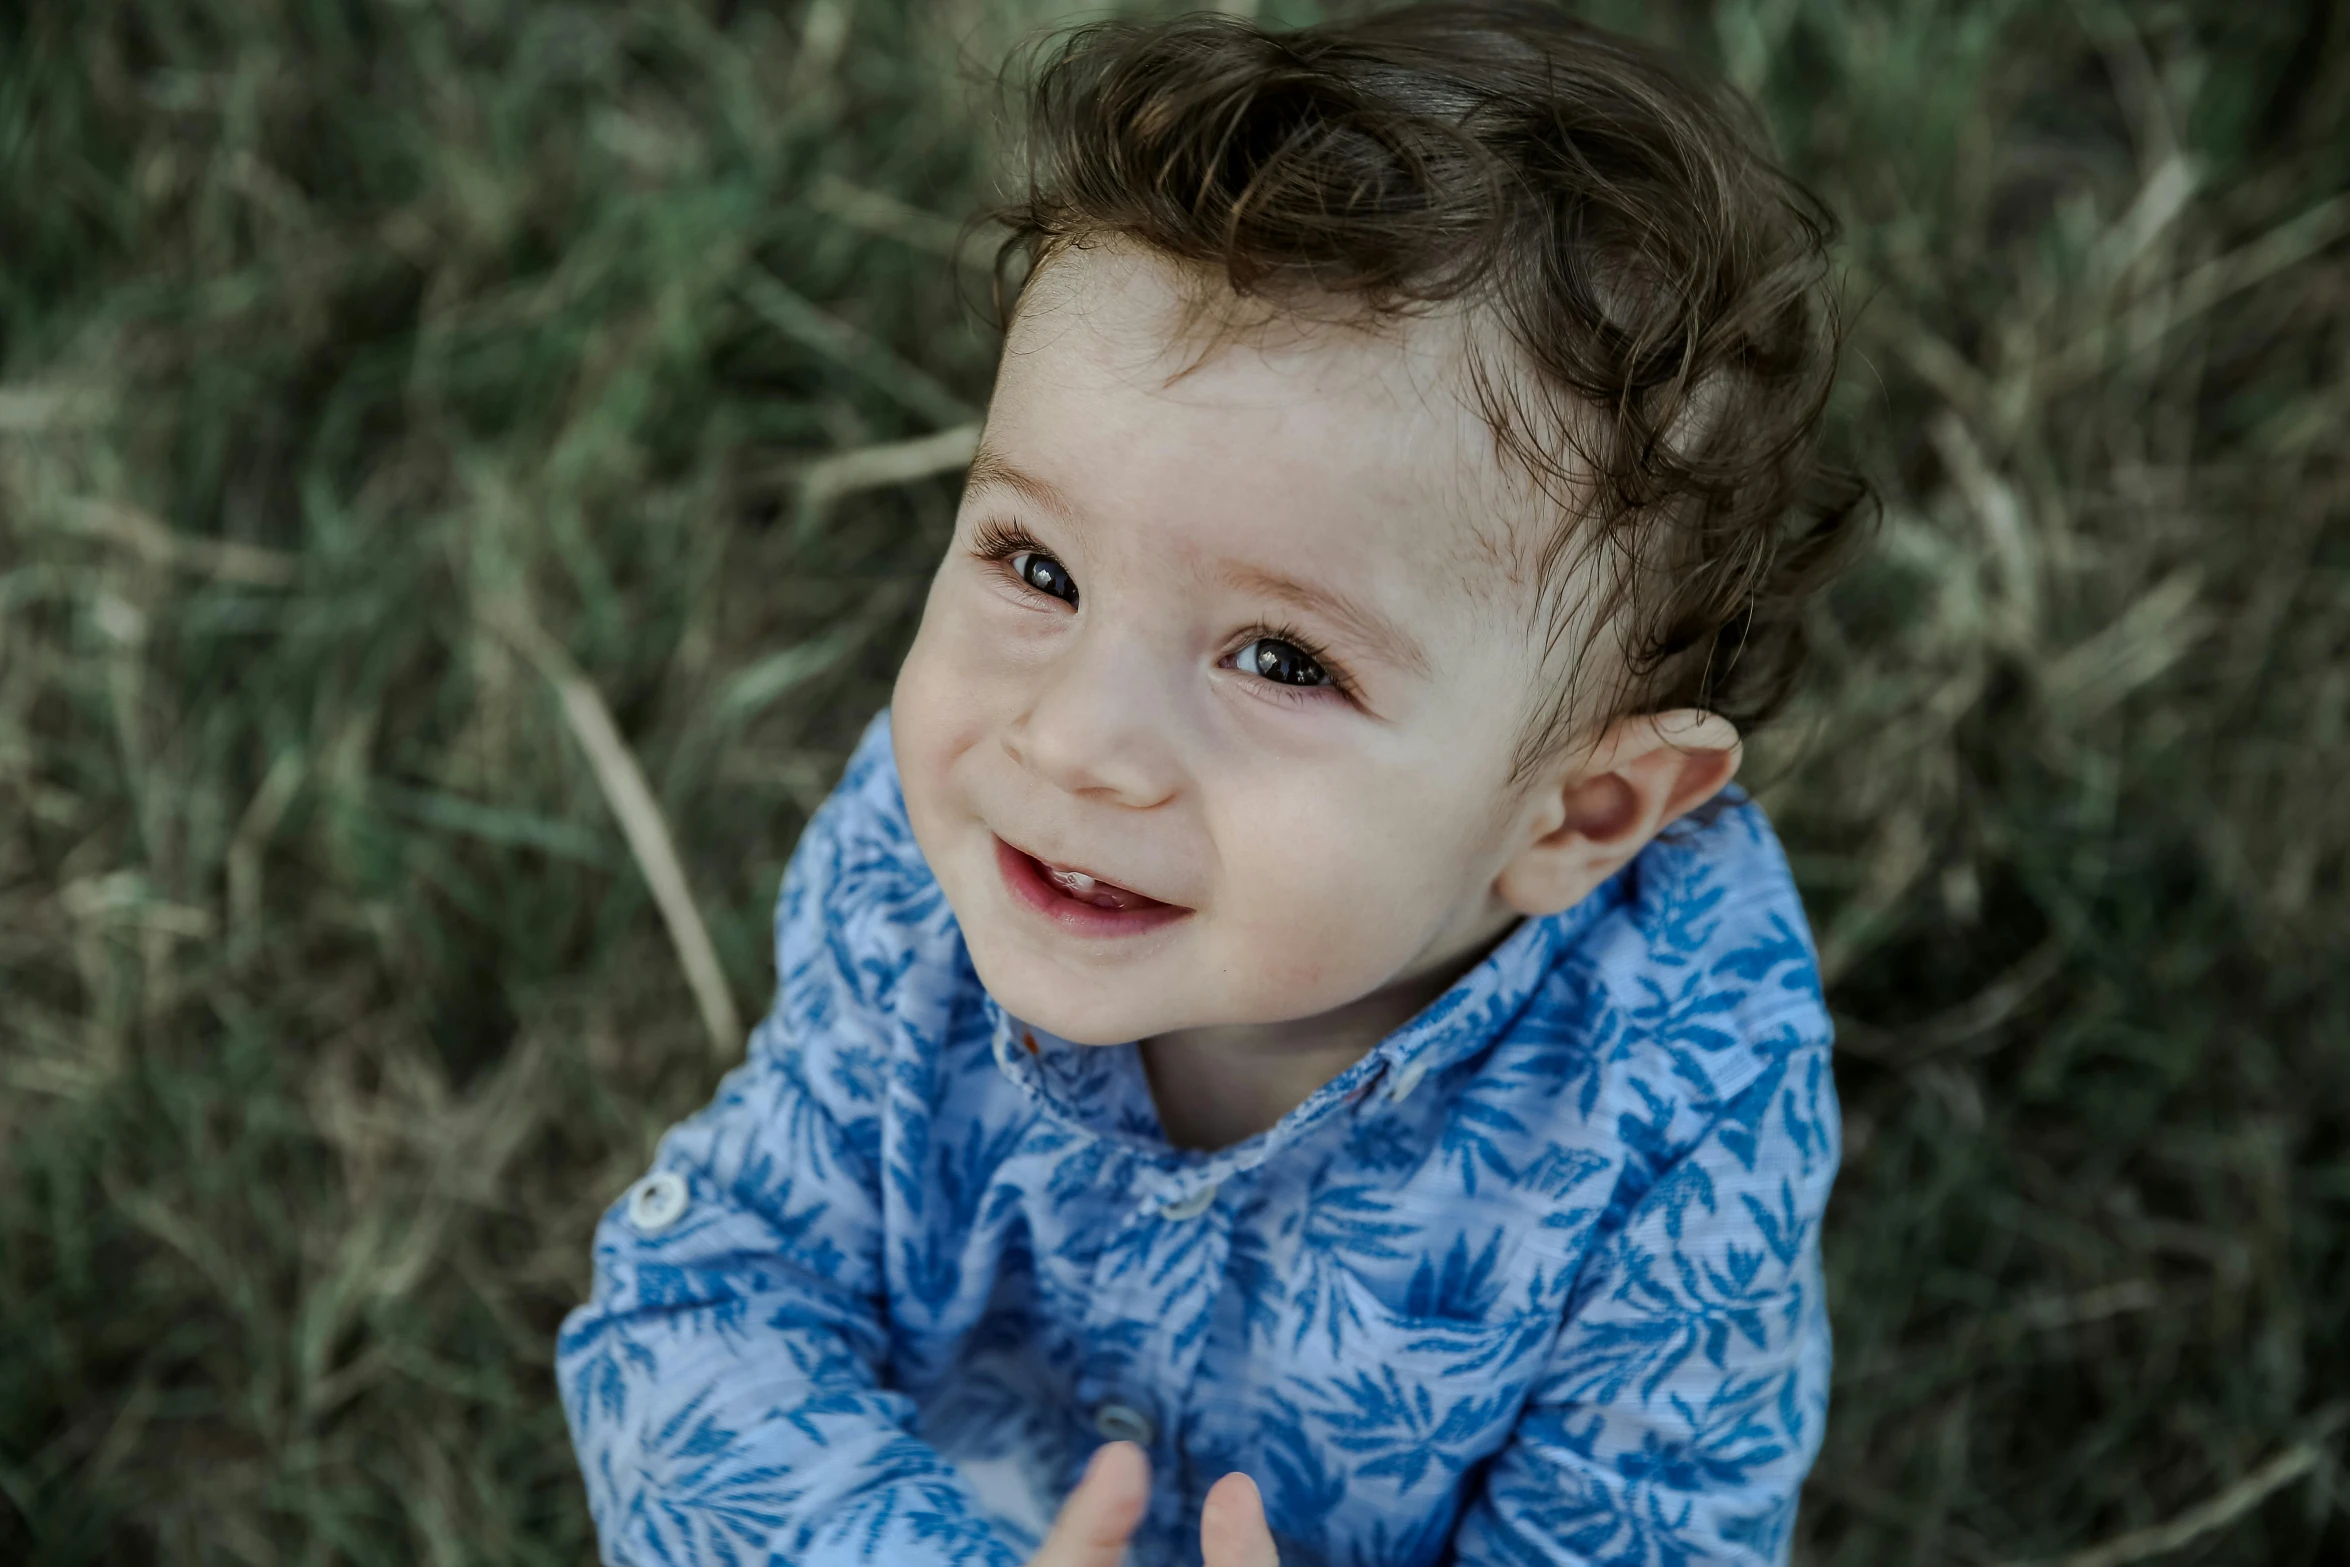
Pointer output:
x,y
1027,882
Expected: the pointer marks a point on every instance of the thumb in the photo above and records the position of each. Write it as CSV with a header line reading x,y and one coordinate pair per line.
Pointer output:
x,y
1095,1521
1232,1529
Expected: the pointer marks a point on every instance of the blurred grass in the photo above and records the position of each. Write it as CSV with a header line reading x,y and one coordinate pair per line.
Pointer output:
x,y
336,333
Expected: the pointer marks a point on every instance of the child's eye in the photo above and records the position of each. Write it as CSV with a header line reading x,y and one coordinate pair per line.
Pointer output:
x,y
1046,575
1283,663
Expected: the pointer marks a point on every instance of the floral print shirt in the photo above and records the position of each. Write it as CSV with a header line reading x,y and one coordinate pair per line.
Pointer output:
x,y
1535,1281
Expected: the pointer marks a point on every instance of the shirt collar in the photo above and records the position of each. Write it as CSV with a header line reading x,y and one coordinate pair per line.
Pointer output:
x,y
1101,1090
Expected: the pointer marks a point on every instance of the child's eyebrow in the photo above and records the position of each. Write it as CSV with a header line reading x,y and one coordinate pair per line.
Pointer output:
x,y
989,471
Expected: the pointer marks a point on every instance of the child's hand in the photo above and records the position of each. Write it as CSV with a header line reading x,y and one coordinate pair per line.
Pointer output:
x,y
1232,1531
1094,1522
1101,1513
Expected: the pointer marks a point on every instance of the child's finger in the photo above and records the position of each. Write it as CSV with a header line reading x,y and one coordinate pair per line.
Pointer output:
x,y
1232,1529
1095,1521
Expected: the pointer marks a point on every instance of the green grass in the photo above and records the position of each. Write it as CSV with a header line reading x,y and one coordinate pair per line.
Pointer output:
x,y
333,1003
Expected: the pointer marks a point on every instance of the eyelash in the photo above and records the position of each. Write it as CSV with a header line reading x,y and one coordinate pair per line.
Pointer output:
x,y
997,542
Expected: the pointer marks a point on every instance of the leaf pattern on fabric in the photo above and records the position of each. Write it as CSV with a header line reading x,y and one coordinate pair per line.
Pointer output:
x,y
1536,1281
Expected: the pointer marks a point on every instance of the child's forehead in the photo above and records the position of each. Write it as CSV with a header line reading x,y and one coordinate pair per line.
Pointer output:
x,y
1137,372
1116,311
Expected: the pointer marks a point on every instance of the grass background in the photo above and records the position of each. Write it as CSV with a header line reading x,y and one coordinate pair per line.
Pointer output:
x,y
340,337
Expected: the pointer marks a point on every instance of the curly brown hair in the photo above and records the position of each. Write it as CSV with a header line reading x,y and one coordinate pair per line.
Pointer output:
x,y
1665,287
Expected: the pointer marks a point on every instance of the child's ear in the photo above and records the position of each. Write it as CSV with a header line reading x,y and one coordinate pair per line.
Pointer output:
x,y
1601,806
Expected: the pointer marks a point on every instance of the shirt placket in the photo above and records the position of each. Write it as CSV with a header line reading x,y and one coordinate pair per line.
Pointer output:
x,y
1155,1287
1151,1286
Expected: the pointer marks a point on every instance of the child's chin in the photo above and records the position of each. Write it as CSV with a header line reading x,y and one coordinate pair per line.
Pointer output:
x,y
1068,1012
1107,1025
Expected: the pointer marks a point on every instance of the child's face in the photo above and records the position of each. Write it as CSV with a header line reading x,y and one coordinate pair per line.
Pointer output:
x,y
1245,655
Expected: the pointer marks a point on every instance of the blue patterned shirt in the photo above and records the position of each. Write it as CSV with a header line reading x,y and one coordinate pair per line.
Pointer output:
x,y
1535,1281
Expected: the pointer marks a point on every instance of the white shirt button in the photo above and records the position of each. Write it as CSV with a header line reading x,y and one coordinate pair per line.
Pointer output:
x,y
1191,1207
657,1202
1123,1423
1405,1081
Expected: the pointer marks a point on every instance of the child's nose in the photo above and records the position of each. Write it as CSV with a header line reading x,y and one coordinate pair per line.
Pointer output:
x,y
1100,721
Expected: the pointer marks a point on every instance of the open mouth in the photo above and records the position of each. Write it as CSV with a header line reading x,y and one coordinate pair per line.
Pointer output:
x,y
1088,889
1077,899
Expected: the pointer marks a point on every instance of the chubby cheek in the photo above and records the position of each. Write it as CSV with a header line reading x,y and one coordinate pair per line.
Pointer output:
x,y
938,715
1321,907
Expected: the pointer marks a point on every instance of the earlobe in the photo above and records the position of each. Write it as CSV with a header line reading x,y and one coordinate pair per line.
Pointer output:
x,y
1605,805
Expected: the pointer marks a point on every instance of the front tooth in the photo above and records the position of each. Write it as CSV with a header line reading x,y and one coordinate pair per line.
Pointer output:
x,y
1073,881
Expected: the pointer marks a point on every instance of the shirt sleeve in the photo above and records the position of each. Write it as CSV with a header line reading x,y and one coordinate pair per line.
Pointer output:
x,y
1686,1396
723,1381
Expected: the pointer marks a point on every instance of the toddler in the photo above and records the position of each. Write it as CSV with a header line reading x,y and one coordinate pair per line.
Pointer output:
x,y
1288,1047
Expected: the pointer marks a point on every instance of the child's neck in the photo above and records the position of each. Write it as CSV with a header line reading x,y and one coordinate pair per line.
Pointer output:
x,y
1219,1085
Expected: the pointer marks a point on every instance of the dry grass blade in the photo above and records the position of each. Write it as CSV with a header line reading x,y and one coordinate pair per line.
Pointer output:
x,y
1962,1026
631,799
2196,1522
856,351
878,212
2285,246
129,528
823,35
36,410
894,462
2156,631
2007,530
